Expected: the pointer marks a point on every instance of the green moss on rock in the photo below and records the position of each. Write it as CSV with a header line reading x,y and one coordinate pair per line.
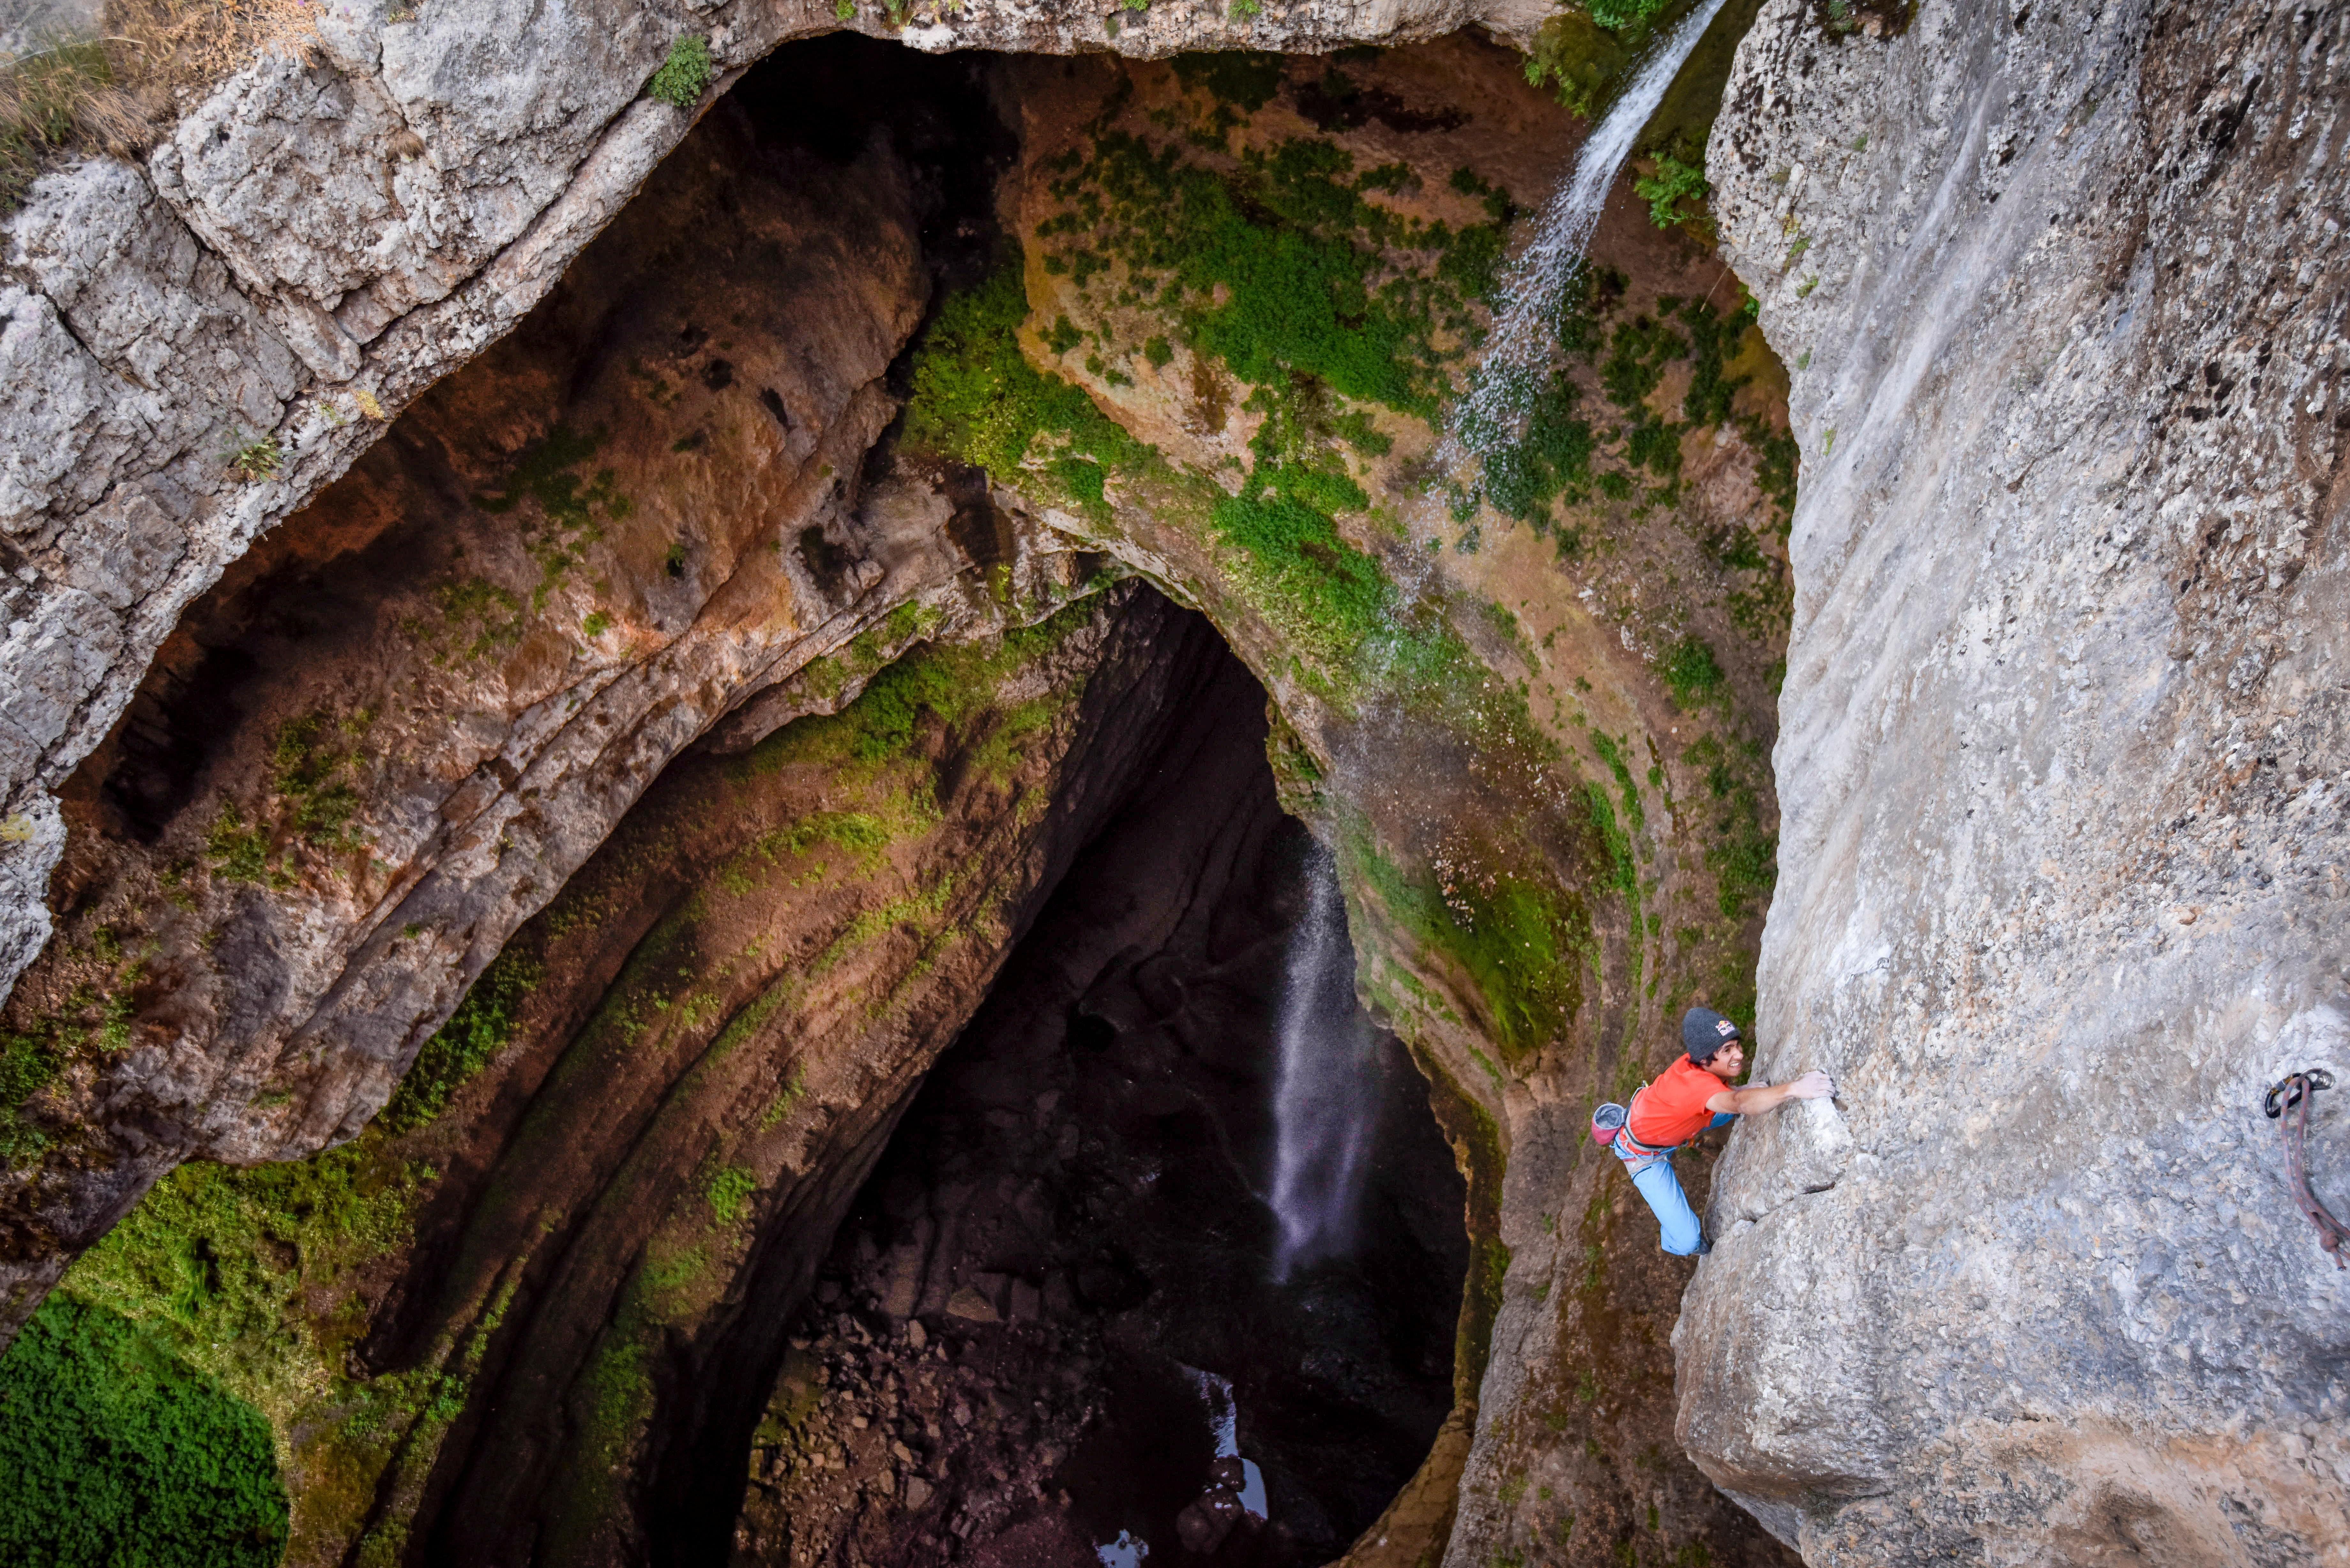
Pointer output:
x,y
1522,941
976,398
481,1027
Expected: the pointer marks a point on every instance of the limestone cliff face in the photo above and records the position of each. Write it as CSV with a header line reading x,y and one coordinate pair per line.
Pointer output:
x,y
400,725
2060,871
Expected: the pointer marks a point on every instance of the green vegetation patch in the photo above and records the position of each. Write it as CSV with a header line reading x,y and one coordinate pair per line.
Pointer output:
x,y
730,1190
1676,192
1744,857
93,1019
868,650
1693,674
864,837
686,75
616,1392
945,684
1626,15
311,798
1245,78
482,1026
237,851
1524,942
787,1099
1283,266
313,764
116,1454
481,619
1551,456
1558,453
249,1277
216,1264
1581,58
48,96
976,398
29,1063
895,700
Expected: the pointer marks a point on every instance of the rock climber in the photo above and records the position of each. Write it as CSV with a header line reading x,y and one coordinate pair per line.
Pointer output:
x,y
1688,1097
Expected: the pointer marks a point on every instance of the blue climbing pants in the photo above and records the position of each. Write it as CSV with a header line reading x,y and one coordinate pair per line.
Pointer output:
x,y
1658,1184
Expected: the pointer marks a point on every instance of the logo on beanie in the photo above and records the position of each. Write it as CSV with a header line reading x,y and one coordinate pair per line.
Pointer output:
x,y
1724,1027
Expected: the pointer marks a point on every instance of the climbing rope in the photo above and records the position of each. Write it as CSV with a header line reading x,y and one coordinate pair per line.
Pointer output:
x,y
2293,1093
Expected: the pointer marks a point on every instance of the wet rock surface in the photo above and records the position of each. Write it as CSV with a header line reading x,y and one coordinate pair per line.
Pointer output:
x,y
1060,1274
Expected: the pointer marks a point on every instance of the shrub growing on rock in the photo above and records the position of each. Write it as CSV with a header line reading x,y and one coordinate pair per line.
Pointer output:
x,y
114,1452
687,74
1674,183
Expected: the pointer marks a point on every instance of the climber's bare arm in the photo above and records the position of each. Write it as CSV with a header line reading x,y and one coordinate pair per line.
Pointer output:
x,y
1756,1097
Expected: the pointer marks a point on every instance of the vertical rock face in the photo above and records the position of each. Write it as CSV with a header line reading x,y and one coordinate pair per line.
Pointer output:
x,y
2062,865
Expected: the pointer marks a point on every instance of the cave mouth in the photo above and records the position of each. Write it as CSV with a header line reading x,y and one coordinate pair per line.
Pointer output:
x,y
1064,1322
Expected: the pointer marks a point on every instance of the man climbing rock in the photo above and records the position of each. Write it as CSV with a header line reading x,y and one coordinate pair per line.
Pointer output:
x,y
1688,1097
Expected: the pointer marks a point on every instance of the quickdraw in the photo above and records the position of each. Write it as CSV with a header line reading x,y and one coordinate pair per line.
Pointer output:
x,y
2293,1093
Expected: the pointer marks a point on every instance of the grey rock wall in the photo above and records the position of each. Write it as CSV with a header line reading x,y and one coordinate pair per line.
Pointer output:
x,y
295,252
29,25
2063,777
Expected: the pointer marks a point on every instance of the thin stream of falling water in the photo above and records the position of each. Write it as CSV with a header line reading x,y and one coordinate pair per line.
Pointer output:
x,y
1327,1098
1522,342
1519,351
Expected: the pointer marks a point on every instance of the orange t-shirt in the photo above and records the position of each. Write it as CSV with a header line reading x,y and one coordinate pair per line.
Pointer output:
x,y
1672,1109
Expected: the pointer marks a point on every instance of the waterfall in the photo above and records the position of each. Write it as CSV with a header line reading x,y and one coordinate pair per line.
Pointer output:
x,y
1327,1098
1520,345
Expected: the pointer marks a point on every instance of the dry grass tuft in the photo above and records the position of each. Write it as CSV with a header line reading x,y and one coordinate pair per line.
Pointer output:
x,y
117,92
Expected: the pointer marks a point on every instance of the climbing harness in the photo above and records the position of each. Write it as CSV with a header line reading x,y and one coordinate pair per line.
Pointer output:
x,y
2293,1093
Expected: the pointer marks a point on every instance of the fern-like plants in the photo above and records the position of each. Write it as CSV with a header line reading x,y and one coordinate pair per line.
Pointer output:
x,y
686,75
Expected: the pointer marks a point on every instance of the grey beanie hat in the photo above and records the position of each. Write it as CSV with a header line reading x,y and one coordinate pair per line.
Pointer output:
x,y
1703,1031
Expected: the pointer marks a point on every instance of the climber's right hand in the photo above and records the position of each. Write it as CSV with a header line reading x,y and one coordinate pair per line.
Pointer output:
x,y
1812,1085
